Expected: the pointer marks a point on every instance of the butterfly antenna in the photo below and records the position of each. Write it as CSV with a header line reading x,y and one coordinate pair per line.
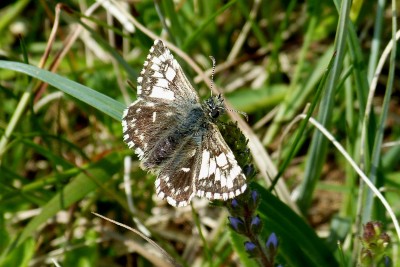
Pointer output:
x,y
211,87
212,73
240,112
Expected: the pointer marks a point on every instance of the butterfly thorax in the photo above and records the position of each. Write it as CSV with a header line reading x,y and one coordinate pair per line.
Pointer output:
x,y
190,128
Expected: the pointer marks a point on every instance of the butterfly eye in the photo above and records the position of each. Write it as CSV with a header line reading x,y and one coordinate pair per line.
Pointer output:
x,y
214,113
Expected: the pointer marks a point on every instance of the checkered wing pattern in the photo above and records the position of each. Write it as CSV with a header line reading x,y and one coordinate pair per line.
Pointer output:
x,y
174,135
219,176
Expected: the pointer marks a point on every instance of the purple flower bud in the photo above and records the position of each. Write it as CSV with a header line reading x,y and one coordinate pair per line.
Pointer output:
x,y
254,196
237,224
249,246
272,241
255,221
248,170
234,203
256,225
254,200
387,261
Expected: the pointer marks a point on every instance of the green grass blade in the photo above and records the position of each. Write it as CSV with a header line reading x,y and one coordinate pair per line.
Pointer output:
x,y
376,41
238,244
198,32
85,94
12,13
318,148
376,152
21,256
299,245
94,175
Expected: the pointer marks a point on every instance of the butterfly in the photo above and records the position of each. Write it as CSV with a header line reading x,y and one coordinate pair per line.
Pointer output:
x,y
175,135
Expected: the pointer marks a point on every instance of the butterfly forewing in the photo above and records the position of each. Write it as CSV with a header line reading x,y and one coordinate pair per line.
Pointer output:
x,y
162,79
174,135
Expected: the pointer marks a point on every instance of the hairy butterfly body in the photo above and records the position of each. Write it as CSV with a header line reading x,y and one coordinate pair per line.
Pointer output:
x,y
175,136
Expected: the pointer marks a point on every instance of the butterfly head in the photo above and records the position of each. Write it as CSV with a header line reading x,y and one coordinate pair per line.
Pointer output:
x,y
214,106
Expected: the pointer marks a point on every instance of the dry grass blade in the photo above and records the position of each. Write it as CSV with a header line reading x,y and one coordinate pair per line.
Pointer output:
x,y
167,256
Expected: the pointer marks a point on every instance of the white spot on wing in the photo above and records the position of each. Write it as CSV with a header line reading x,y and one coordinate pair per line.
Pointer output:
x,y
162,83
131,144
166,55
217,174
124,126
156,60
162,58
171,201
243,188
204,167
162,93
235,172
223,180
157,74
221,160
229,182
161,195
182,203
139,152
185,169
150,104
230,156
154,116
125,112
170,74
212,166
155,67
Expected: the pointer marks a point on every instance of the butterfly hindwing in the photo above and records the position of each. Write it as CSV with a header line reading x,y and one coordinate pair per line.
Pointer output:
x,y
219,176
145,123
175,182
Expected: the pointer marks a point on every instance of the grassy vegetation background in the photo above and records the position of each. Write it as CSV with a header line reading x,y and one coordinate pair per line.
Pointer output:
x,y
63,73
